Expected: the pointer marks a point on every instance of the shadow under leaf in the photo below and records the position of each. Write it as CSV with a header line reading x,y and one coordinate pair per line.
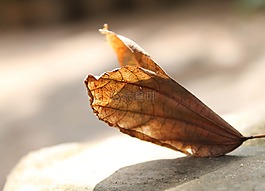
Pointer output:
x,y
162,174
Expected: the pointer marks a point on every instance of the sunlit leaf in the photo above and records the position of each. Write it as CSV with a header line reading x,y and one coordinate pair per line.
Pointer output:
x,y
141,100
129,53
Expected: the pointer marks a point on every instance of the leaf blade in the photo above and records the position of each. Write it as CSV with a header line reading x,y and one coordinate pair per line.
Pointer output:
x,y
170,120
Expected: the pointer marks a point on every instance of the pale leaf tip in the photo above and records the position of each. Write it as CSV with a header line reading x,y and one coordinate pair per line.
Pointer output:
x,y
105,29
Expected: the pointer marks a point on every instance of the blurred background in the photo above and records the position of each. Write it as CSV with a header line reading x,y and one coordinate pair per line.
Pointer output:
x,y
216,49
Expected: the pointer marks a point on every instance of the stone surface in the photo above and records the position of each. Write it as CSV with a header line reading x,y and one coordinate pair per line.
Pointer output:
x,y
138,165
77,166
247,172
243,169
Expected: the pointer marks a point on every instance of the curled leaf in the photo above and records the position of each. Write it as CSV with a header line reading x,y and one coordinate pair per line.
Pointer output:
x,y
144,102
129,53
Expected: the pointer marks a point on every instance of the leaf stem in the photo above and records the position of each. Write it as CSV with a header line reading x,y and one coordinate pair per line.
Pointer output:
x,y
255,137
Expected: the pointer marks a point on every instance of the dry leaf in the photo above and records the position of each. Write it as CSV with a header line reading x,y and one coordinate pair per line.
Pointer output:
x,y
144,102
129,53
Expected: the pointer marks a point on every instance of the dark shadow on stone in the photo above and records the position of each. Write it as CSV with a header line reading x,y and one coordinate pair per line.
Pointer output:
x,y
162,174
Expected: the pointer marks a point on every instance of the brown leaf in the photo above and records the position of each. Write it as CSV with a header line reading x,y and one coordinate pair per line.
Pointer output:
x,y
129,53
143,101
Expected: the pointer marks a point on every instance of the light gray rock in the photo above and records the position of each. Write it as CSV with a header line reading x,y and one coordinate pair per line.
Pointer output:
x,y
80,166
139,166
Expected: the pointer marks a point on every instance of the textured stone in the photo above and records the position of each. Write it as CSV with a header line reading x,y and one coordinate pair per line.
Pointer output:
x,y
243,169
82,166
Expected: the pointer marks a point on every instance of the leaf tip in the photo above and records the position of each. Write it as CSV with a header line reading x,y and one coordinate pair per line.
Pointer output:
x,y
105,29
89,79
